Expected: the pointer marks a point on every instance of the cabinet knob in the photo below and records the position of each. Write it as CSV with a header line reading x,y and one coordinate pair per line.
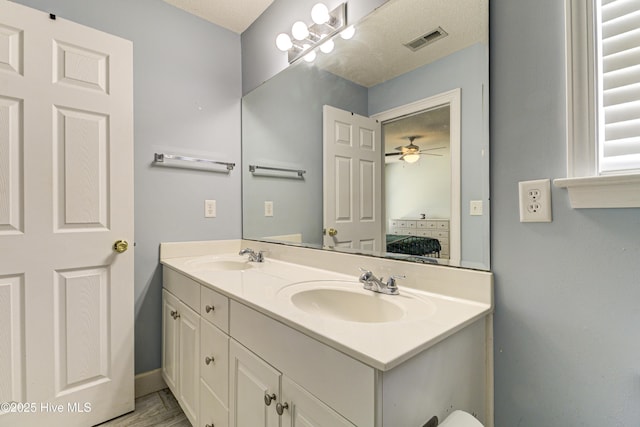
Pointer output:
x,y
209,308
268,398
175,314
280,407
208,360
209,425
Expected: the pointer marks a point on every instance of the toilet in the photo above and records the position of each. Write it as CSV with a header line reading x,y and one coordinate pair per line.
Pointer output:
x,y
460,419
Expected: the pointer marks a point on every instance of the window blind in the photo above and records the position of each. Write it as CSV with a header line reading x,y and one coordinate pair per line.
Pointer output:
x,y
619,85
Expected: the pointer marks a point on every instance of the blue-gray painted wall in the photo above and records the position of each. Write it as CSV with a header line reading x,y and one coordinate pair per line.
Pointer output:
x,y
187,89
567,346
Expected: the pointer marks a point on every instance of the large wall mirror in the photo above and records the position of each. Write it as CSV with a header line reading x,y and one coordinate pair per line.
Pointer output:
x,y
421,110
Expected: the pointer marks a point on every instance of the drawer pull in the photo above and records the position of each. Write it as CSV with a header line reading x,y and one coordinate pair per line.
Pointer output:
x,y
209,425
268,398
175,314
209,308
208,360
280,407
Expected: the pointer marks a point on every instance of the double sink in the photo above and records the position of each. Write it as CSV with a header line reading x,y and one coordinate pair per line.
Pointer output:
x,y
343,300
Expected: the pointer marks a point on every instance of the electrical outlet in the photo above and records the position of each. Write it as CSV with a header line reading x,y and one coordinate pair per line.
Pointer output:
x,y
210,209
535,200
268,208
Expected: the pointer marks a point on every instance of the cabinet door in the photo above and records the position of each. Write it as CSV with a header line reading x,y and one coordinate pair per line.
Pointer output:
x,y
189,357
212,411
305,410
170,341
251,380
214,360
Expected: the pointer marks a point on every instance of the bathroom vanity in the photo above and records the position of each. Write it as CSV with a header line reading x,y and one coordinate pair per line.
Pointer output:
x,y
295,340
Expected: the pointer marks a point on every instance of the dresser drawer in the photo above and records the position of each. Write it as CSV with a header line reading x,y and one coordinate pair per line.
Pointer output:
x,y
214,307
441,235
442,225
214,349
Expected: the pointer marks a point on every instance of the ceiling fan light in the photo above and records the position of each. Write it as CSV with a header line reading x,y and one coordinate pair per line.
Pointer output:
x,y
411,158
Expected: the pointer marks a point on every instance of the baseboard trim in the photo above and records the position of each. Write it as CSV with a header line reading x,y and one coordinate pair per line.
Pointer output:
x,y
149,382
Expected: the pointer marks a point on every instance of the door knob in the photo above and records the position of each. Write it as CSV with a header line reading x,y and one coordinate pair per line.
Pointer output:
x,y
333,232
120,246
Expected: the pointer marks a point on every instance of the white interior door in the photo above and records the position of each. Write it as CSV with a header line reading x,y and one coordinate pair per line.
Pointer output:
x,y
352,180
66,174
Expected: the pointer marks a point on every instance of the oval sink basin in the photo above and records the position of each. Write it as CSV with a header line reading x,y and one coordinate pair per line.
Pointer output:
x,y
348,305
219,265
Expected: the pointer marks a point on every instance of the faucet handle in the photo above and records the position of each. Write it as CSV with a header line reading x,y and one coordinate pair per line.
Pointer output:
x,y
391,282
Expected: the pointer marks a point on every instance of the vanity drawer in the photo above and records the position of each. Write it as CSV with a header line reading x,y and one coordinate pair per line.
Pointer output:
x,y
212,411
341,382
184,288
214,307
214,344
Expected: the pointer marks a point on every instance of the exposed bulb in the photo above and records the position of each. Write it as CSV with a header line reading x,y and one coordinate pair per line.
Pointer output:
x,y
283,42
311,56
320,14
411,158
327,46
348,32
299,30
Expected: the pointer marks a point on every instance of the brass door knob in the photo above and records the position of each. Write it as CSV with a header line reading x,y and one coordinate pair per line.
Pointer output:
x,y
333,232
120,246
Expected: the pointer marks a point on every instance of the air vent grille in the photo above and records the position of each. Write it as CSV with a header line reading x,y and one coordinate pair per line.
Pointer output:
x,y
426,39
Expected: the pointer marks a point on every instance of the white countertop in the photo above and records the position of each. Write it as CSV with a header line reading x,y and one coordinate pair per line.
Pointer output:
x,y
267,288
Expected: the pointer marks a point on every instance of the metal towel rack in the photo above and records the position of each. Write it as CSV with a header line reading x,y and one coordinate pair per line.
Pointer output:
x,y
160,158
253,168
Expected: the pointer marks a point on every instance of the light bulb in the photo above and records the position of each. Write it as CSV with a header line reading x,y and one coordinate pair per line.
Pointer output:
x,y
320,14
283,42
300,30
311,56
327,46
348,32
411,158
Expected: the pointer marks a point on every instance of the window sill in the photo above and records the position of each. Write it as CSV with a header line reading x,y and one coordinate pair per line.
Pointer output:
x,y
614,191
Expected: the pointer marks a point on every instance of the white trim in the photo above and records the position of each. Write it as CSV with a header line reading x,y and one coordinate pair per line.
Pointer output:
x,y
611,191
452,98
149,382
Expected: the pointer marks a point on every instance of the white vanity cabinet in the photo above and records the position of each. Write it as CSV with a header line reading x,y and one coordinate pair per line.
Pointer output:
x,y
260,395
195,350
244,368
180,353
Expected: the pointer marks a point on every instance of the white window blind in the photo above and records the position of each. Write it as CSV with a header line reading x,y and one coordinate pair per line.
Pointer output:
x,y
618,70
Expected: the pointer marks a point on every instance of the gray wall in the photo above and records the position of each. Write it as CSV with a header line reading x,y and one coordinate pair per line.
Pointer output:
x,y
187,89
567,347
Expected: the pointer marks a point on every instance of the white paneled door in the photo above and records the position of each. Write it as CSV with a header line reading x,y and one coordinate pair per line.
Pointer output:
x,y
352,180
66,174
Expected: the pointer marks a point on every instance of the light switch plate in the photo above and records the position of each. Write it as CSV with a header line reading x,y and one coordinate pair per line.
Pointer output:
x,y
268,208
475,207
210,210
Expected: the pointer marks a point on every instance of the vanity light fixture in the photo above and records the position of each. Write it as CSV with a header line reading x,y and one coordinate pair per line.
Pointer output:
x,y
305,39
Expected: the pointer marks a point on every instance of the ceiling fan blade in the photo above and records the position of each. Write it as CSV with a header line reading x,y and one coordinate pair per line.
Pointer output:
x,y
393,154
431,149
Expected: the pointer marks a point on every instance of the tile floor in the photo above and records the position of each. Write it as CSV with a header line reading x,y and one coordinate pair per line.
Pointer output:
x,y
159,409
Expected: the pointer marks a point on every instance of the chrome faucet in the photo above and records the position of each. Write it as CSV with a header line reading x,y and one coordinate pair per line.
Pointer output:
x,y
372,283
253,256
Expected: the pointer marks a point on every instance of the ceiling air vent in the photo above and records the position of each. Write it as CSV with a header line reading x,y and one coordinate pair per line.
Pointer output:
x,y
426,39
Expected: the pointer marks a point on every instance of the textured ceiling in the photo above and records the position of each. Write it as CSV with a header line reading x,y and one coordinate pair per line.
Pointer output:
x,y
234,15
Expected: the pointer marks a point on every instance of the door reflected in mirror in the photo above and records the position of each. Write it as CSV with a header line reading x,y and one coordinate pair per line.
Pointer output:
x,y
374,75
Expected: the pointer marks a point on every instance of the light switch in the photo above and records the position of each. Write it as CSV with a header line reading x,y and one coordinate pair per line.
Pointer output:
x,y
268,208
210,209
475,207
